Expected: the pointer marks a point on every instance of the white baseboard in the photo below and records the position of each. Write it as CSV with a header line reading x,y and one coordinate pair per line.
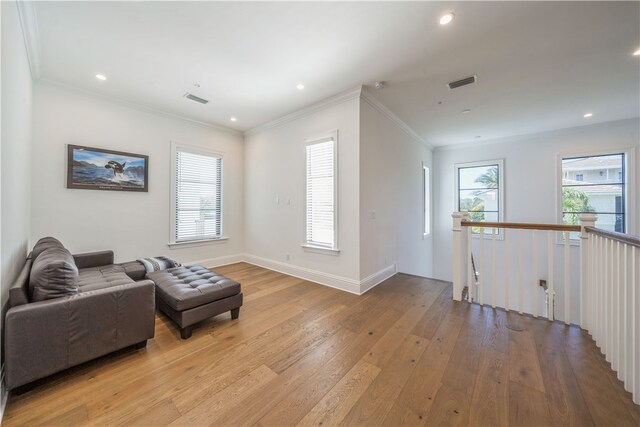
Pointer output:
x,y
346,284
376,278
353,286
338,282
220,261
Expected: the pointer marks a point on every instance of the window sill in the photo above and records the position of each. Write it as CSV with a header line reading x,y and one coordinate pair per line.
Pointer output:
x,y
320,250
190,243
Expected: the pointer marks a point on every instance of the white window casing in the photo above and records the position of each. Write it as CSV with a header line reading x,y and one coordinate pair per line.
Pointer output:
x,y
321,193
196,195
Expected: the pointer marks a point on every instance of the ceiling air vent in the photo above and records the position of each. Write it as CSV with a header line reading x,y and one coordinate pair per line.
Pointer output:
x,y
195,98
462,82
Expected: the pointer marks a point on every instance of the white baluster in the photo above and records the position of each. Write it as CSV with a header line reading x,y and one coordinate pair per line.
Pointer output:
x,y
458,257
550,295
480,267
471,281
535,272
520,270
494,267
610,306
613,317
601,286
635,280
567,278
619,312
628,321
586,269
506,271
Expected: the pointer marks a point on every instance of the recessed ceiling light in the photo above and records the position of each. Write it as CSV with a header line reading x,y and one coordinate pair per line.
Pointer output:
x,y
478,137
299,86
101,77
446,18
637,52
586,116
467,111
233,119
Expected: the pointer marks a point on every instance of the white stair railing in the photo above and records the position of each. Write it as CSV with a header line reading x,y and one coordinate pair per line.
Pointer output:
x,y
591,280
611,300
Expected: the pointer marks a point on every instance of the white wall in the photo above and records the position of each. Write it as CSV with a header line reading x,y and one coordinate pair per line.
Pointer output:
x,y
16,147
391,224
132,224
274,168
531,176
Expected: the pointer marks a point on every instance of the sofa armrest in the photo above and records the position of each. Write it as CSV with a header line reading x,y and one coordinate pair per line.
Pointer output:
x,y
46,337
93,259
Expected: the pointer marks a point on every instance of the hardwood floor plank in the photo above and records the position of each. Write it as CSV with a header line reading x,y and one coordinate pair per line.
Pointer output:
x,y
382,351
328,356
598,391
335,405
524,367
208,408
417,396
527,406
295,405
161,414
379,397
566,404
489,404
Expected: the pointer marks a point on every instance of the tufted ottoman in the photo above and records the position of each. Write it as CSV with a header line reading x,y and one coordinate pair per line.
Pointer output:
x,y
190,294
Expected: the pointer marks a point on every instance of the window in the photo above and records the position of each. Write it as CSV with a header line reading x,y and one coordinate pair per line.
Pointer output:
x,y
320,193
601,190
426,217
196,195
479,191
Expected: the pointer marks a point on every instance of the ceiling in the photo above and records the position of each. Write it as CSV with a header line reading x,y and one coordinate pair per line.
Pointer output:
x,y
540,65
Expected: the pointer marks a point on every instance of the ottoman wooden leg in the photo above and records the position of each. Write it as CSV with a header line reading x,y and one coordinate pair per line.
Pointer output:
x,y
235,313
185,333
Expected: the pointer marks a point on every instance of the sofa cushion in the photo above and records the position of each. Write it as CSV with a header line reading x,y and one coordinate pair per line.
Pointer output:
x,y
44,244
134,269
191,286
53,275
105,276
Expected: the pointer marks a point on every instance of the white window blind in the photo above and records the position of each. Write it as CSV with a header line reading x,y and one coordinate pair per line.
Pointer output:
x,y
198,196
320,193
426,218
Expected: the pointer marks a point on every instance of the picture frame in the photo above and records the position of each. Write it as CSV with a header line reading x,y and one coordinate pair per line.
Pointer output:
x,y
91,168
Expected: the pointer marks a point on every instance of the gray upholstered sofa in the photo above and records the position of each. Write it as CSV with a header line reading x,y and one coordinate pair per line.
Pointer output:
x,y
68,309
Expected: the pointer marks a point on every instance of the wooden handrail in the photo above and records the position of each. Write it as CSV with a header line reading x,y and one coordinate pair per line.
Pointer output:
x,y
614,235
522,226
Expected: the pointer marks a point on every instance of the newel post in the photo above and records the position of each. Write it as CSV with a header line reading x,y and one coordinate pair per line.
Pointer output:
x,y
458,253
586,286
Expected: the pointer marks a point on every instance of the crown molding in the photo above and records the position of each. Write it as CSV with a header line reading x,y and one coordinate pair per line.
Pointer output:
x,y
381,108
529,136
29,24
136,106
313,108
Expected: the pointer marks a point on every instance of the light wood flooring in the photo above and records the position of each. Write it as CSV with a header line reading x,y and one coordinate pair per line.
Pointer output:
x,y
305,354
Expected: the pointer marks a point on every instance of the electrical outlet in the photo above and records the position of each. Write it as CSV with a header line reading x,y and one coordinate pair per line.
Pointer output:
x,y
288,201
287,256
373,214
277,200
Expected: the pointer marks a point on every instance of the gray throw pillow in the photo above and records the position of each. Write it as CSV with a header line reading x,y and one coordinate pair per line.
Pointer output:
x,y
44,244
53,275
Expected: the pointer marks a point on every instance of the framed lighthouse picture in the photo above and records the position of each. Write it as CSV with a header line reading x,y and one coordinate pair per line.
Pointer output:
x,y
91,168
